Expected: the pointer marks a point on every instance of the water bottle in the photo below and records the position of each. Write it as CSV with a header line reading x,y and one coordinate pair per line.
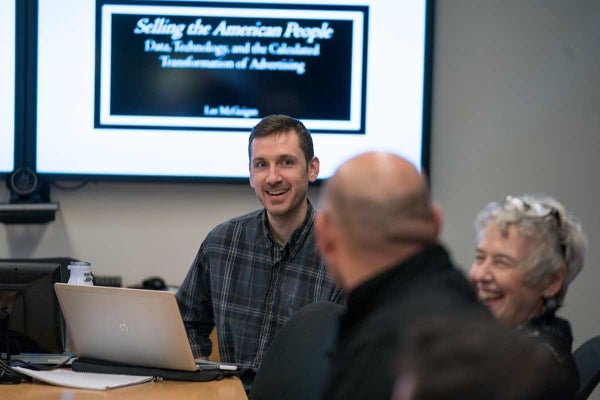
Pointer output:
x,y
80,273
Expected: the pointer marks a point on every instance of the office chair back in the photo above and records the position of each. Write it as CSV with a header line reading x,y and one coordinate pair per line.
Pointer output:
x,y
587,359
296,365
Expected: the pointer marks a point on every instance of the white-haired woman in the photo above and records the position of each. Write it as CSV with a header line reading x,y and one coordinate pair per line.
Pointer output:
x,y
529,249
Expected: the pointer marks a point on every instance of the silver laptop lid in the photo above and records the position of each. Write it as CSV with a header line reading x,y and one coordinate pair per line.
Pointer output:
x,y
132,326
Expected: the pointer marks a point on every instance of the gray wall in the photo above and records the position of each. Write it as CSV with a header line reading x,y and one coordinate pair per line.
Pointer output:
x,y
516,109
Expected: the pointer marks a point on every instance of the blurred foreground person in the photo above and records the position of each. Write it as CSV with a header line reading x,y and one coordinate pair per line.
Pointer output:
x,y
474,359
378,233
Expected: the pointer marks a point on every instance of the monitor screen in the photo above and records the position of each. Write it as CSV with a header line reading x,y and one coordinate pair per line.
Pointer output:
x,y
35,320
172,88
7,84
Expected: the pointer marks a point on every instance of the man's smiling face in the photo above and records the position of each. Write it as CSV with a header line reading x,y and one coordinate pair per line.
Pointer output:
x,y
280,175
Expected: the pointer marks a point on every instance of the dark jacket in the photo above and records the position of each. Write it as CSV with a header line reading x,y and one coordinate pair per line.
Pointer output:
x,y
381,309
555,334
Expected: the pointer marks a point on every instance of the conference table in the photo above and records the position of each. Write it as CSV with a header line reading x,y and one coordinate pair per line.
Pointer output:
x,y
225,389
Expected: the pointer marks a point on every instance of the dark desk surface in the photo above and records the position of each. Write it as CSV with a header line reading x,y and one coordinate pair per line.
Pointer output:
x,y
225,389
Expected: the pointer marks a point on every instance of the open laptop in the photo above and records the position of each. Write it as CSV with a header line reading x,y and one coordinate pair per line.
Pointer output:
x,y
129,326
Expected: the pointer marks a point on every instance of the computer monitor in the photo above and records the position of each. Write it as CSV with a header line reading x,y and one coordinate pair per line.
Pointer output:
x,y
7,84
27,294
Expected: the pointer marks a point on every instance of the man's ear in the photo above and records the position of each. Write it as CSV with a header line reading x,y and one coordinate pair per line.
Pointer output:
x,y
321,232
437,219
555,282
313,169
251,176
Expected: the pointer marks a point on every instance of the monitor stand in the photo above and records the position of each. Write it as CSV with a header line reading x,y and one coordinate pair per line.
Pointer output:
x,y
6,376
4,318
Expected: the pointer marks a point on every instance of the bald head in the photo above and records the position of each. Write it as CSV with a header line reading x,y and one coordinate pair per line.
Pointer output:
x,y
380,201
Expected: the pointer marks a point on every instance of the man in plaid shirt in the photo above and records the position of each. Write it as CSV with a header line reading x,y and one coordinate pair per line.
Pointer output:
x,y
253,272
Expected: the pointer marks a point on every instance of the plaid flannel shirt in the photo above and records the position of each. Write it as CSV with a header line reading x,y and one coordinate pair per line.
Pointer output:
x,y
250,286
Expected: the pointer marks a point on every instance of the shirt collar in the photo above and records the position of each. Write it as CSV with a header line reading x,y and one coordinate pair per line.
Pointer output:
x,y
426,261
298,236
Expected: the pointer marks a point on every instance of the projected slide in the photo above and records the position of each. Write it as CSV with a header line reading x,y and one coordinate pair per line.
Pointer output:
x,y
171,88
224,67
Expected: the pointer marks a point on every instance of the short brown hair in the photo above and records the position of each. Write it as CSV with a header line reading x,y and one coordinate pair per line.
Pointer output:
x,y
279,123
